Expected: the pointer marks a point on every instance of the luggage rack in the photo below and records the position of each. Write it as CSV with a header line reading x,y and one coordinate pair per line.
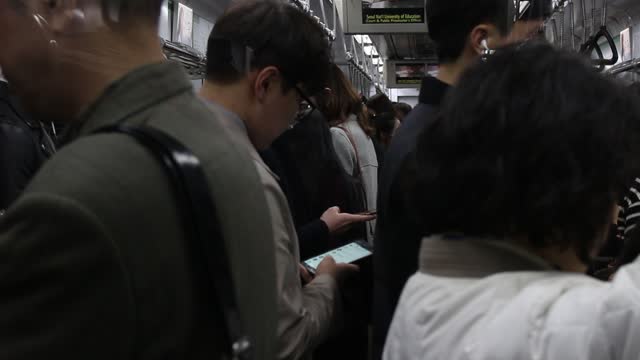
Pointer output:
x,y
193,61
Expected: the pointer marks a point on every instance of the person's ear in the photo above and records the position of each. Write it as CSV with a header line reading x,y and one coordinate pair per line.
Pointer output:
x,y
266,80
483,38
479,39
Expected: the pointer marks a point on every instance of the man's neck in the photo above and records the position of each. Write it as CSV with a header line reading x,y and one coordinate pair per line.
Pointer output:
x,y
234,98
450,72
229,97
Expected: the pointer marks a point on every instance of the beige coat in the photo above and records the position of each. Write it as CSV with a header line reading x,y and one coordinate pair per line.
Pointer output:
x,y
306,315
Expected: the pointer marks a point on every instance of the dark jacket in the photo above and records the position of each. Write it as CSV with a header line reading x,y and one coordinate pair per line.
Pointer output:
x,y
313,236
397,240
313,181
24,146
94,263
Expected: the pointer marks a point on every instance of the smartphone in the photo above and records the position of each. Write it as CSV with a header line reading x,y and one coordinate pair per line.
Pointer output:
x,y
347,254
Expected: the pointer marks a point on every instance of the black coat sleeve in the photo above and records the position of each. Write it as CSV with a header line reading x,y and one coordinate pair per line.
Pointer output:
x,y
313,238
18,162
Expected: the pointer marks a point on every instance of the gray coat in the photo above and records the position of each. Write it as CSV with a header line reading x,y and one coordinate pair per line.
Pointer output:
x,y
366,158
93,260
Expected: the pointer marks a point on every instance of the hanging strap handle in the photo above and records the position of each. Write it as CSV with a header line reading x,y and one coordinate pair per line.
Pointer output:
x,y
201,225
592,44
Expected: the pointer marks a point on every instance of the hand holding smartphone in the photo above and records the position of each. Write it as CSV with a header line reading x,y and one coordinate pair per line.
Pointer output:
x,y
347,254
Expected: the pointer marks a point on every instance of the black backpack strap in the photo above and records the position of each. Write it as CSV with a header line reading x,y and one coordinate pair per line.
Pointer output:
x,y
201,224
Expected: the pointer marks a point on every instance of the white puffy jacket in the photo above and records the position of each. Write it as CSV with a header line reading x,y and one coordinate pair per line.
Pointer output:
x,y
515,307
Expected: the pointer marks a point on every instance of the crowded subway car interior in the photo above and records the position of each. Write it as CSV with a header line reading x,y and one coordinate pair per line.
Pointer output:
x,y
320,179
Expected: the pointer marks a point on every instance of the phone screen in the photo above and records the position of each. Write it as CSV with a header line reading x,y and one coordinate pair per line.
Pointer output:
x,y
346,254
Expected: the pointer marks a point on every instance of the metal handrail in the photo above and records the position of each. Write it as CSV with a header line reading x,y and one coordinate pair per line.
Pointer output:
x,y
194,62
330,33
633,64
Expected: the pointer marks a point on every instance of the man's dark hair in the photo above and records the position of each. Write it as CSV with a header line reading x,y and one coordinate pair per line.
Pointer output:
x,y
380,103
635,89
383,117
279,34
451,21
404,108
532,144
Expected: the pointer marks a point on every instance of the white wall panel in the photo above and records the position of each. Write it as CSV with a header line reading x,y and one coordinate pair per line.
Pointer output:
x,y
201,30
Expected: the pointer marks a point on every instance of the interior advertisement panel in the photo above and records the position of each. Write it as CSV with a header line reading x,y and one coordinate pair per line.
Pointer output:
x,y
384,12
407,74
410,74
383,16
184,25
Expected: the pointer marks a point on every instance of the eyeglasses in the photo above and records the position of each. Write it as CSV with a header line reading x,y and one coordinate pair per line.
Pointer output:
x,y
303,98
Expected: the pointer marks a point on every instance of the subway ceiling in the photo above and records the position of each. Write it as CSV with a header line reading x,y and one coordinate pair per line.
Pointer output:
x,y
620,15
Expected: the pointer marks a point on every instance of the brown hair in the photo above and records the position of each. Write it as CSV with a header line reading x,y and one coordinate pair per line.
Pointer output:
x,y
343,101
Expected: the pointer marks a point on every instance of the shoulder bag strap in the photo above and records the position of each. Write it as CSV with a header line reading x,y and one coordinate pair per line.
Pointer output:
x,y
201,225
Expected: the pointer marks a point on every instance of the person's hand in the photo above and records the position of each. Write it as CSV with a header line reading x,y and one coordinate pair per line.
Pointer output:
x,y
340,272
305,275
337,221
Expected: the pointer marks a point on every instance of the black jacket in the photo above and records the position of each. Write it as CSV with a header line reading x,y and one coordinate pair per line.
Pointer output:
x,y
313,236
397,241
313,181
24,146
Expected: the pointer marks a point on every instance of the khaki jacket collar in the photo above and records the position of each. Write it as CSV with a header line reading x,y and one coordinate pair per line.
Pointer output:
x,y
240,134
475,258
136,92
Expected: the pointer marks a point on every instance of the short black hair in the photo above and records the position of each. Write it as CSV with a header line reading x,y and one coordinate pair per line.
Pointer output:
x,y
380,104
450,22
280,35
635,89
404,108
533,144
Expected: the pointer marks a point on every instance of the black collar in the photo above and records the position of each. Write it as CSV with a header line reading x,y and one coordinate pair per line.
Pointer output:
x,y
433,91
4,91
11,102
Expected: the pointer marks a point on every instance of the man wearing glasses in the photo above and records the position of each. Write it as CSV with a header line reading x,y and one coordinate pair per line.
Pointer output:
x,y
257,86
